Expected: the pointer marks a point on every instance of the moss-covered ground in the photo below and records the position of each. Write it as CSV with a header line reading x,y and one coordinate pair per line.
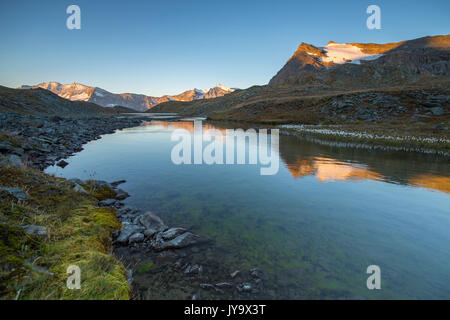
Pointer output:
x,y
79,233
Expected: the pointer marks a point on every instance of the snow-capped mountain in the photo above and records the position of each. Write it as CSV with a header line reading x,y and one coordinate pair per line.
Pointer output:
x,y
325,64
139,102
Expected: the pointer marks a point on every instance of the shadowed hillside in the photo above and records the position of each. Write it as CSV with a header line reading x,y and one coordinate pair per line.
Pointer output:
x,y
40,101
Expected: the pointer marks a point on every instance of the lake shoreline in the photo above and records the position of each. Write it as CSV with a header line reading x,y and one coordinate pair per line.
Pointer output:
x,y
28,145
354,137
40,141
130,234
341,140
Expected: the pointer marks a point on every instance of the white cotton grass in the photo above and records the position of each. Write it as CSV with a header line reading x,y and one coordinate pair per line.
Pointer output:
x,y
362,135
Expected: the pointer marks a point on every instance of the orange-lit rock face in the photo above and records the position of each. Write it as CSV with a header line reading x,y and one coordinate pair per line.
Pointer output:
x,y
327,169
439,183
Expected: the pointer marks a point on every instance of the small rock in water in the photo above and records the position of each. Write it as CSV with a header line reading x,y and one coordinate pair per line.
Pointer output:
x,y
206,286
116,183
183,240
121,195
255,272
224,285
234,274
168,256
62,164
195,269
246,287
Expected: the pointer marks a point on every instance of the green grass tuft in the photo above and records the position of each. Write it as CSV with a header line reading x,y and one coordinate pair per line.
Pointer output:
x,y
79,233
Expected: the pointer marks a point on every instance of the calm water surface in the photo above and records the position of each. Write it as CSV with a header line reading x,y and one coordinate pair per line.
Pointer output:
x,y
314,227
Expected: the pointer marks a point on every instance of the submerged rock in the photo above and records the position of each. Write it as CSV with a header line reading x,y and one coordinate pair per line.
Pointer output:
x,y
224,285
206,286
194,269
172,233
255,272
181,241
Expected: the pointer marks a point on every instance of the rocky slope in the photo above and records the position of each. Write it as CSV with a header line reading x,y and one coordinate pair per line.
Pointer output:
x,y
138,102
42,140
40,101
375,65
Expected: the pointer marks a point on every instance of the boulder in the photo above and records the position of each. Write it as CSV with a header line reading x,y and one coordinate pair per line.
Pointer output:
x,y
137,237
127,231
184,240
120,194
172,233
153,224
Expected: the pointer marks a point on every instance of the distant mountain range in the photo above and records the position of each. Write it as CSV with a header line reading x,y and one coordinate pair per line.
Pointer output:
x,y
40,101
317,84
138,102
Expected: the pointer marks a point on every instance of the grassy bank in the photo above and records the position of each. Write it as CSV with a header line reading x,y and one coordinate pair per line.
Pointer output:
x,y
371,137
78,233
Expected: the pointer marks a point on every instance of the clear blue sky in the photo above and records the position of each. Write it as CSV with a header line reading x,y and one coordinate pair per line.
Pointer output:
x,y
166,47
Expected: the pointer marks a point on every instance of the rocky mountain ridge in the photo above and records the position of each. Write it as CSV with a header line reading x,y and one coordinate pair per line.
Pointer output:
x,y
45,102
138,102
338,64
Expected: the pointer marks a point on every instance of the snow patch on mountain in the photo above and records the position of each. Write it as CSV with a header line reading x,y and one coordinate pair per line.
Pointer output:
x,y
344,53
223,87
